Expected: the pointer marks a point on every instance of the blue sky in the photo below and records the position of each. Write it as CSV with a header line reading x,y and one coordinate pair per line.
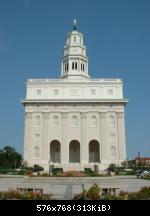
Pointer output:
x,y
117,36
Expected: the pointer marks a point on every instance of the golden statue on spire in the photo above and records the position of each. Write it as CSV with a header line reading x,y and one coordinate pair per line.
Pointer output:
x,y
74,24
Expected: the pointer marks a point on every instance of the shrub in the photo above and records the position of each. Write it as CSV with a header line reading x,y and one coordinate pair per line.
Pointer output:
x,y
26,196
55,171
112,167
112,197
73,174
28,169
129,173
96,168
5,171
81,196
37,168
147,177
10,195
45,175
143,194
94,192
90,172
22,172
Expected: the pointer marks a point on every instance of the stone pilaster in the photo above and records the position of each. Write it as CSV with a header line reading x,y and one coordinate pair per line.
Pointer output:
x,y
84,155
121,136
64,144
28,138
103,137
45,148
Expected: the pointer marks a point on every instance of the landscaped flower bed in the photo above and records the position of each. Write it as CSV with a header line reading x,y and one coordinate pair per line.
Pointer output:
x,y
9,195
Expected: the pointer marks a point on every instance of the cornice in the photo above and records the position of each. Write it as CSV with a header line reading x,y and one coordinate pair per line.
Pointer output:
x,y
61,101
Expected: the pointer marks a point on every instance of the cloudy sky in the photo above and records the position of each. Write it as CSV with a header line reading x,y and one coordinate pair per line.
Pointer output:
x,y
117,36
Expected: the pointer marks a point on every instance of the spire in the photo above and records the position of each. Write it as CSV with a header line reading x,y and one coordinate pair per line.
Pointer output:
x,y
74,24
74,65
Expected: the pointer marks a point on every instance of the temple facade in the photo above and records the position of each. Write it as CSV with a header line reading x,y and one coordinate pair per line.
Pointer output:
x,y
74,122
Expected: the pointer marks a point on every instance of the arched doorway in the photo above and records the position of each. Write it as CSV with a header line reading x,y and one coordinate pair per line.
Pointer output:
x,y
74,152
94,151
55,151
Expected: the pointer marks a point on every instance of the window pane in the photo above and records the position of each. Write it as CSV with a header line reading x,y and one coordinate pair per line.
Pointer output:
x,y
36,152
111,121
93,121
38,91
37,120
113,151
55,121
92,91
74,121
55,91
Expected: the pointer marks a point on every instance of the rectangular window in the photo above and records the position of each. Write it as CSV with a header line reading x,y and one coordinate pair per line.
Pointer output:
x,y
38,91
55,91
74,92
110,91
92,91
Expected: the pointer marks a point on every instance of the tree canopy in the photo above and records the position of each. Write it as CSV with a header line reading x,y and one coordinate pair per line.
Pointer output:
x,y
9,158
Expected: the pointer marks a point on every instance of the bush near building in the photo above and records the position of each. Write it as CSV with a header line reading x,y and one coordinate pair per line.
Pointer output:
x,y
15,195
92,194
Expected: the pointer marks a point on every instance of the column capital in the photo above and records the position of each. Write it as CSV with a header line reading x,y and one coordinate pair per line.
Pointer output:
x,y
120,115
64,115
45,115
83,114
103,115
28,115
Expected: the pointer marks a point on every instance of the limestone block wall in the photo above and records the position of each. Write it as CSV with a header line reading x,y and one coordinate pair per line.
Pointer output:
x,y
41,128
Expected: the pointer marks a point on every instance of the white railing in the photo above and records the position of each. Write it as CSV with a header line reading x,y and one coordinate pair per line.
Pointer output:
x,y
63,80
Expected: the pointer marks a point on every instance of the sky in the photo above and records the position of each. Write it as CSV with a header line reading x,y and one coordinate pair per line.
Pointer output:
x,y
117,37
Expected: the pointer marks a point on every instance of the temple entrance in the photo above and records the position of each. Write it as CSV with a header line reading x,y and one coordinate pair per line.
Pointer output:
x,y
55,151
74,152
94,151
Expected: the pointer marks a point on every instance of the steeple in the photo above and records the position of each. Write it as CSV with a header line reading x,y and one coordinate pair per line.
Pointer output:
x,y
74,24
74,61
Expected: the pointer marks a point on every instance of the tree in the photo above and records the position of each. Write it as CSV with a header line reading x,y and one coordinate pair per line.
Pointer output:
x,y
9,158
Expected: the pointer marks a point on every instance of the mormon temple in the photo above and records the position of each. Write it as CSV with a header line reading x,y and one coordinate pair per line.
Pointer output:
x,y
74,122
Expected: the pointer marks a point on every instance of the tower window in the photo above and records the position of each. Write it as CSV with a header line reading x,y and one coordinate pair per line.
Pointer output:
x,y
38,91
83,67
110,91
73,65
76,65
74,38
55,91
67,66
92,91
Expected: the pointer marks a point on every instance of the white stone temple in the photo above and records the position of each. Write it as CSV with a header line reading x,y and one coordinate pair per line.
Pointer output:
x,y
74,122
